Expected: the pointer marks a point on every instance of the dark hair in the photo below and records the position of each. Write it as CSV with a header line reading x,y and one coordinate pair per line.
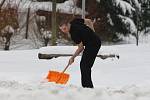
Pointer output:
x,y
66,20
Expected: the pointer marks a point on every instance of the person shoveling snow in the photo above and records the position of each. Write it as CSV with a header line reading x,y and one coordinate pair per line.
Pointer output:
x,y
83,34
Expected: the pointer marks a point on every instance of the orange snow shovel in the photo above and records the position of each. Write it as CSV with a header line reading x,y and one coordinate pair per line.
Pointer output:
x,y
58,77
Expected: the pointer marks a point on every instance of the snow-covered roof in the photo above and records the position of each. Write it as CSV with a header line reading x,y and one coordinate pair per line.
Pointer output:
x,y
66,7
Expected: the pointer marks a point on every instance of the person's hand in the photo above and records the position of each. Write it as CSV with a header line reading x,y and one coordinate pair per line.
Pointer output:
x,y
71,60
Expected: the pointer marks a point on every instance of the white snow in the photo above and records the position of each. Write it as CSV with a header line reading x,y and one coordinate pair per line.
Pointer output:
x,y
22,75
144,37
7,29
129,24
71,50
110,20
47,34
137,4
98,0
66,7
124,6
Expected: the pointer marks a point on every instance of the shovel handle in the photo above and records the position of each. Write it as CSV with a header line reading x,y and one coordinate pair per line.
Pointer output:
x,y
65,68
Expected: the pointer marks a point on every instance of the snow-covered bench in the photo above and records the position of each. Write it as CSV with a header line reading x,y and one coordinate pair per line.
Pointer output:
x,y
62,51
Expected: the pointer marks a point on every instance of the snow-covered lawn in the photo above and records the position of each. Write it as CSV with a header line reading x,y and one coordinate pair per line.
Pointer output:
x,y
22,74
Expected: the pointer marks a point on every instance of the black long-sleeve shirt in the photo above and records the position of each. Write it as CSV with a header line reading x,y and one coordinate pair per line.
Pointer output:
x,y
82,33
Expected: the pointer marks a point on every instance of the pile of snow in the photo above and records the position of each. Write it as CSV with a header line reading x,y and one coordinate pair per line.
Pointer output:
x,y
12,90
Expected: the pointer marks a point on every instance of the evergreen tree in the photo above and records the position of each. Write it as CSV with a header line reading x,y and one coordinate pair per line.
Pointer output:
x,y
145,14
120,16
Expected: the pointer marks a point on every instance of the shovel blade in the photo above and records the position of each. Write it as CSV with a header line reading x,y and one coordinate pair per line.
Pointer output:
x,y
57,77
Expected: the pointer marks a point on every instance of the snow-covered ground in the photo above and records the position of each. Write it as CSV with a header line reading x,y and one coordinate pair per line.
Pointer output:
x,y
22,75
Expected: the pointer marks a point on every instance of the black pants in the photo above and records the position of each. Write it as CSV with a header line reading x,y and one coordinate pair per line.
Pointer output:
x,y
87,61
